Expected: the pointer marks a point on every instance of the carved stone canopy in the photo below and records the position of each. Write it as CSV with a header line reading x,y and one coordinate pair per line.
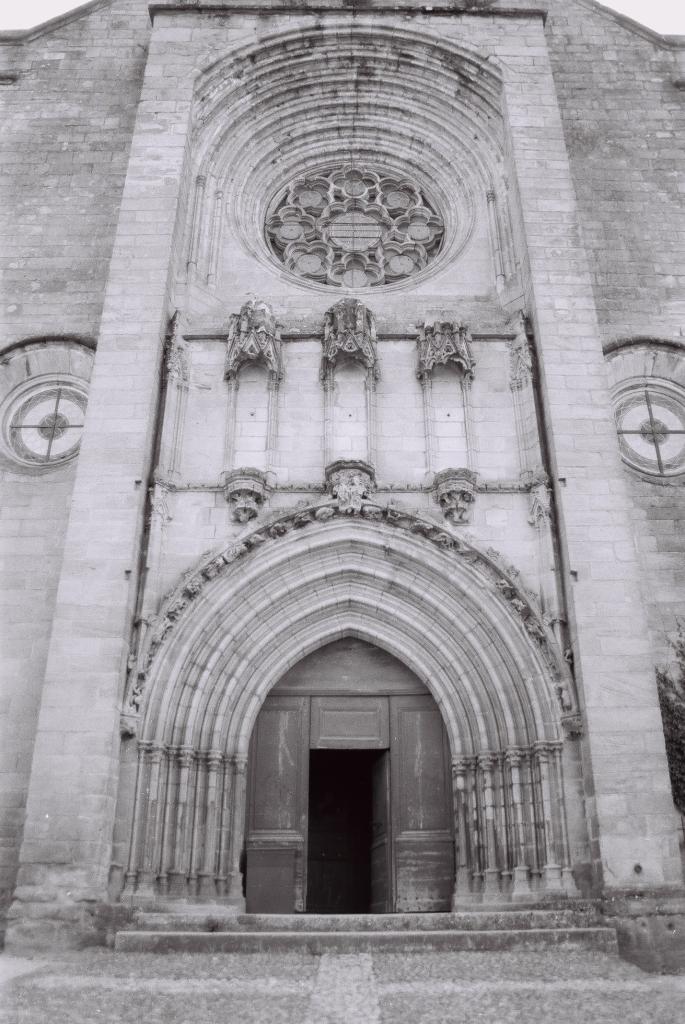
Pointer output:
x,y
349,332
442,342
254,337
454,490
350,481
245,489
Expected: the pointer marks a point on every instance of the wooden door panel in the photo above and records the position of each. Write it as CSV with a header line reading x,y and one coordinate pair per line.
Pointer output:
x,y
278,766
423,847
381,867
350,723
424,870
277,818
420,777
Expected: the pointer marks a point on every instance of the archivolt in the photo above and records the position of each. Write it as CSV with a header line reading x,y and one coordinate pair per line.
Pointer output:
x,y
451,614
404,100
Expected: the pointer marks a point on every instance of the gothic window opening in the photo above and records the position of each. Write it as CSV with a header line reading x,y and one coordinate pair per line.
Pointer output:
x,y
43,416
650,420
354,228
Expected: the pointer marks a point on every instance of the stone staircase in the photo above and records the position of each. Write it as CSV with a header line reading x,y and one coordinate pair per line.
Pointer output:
x,y
213,930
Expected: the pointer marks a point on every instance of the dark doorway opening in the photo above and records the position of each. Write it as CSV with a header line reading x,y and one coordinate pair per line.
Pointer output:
x,y
341,808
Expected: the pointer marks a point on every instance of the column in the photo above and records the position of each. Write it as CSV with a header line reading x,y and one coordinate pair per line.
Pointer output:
x,y
207,882
491,881
427,395
235,884
551,870
520,881
461,853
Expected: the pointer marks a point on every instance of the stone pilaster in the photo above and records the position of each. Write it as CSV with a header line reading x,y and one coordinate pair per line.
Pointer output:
x,y
66,849
631,811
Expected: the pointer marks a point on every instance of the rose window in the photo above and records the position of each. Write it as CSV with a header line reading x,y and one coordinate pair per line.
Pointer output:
x,y
650,419
354,228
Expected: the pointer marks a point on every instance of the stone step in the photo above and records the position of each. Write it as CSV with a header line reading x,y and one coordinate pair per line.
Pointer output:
x,y
318,942
480,920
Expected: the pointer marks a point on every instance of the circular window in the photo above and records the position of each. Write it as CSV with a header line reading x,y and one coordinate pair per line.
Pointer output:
x,y
650,419
44,421
354,227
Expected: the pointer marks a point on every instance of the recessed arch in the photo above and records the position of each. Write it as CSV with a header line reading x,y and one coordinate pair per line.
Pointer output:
x,y
309,576
433,609
407,102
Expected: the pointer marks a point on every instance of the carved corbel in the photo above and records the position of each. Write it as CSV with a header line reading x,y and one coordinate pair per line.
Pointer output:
x,y
350,482
455,491
349,331
254,336
441,342
572,724
246,490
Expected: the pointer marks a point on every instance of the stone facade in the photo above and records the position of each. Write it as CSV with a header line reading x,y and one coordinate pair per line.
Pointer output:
x,y
366,295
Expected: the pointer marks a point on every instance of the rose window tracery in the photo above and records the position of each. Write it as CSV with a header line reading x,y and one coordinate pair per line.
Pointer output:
x,y
354,228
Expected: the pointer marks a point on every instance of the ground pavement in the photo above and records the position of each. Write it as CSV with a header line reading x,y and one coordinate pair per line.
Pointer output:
x,y
563,986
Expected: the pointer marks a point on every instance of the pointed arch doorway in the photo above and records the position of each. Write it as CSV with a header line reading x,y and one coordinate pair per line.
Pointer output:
x,y
349,793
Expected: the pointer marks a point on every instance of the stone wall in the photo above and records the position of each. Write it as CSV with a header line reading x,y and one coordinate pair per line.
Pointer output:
x,y
68,102
67,123
623,126
213,121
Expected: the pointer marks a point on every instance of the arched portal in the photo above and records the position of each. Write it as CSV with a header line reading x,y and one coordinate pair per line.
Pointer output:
x,y
349,793
311,577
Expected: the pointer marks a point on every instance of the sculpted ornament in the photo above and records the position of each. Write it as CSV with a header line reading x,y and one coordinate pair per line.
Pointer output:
x,y
520,354
350,482
540,500
246,490
176,355
454,491
254,336
349,331
441,342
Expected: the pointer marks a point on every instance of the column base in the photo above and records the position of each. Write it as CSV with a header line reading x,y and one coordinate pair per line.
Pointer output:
x,y
551,880
492,890
520,884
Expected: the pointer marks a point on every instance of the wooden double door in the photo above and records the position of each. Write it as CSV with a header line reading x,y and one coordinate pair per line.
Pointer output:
x,y
349,805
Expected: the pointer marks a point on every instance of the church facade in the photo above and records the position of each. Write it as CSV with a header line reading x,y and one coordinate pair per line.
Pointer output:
x,y
343,441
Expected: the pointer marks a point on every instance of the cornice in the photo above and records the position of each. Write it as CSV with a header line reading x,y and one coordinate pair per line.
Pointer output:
x,y
354,8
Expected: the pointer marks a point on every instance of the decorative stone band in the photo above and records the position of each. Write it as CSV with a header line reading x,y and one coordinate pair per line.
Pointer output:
x,y
352,504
